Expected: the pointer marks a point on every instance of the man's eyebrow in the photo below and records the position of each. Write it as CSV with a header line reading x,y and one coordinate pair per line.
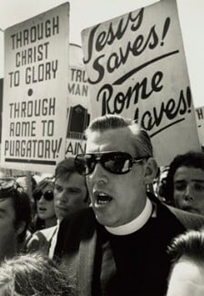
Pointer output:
x,y
194,180
198,180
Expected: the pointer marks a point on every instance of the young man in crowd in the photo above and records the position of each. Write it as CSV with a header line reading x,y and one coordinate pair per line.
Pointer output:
x,y
184,187
15,216
70,195
118,246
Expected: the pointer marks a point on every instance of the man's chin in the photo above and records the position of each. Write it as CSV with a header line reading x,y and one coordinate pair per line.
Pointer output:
x,y
61,214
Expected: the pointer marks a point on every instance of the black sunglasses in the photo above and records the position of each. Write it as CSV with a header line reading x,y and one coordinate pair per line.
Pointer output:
x,y
114,162
48,195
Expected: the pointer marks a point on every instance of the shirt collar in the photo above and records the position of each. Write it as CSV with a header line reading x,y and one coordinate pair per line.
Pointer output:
x,y
134,225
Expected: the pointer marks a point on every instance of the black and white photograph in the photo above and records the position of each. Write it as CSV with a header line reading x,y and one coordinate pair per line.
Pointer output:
x,y
101,148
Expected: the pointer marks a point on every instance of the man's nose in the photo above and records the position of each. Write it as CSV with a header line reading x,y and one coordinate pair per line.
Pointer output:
x,y
188,195
63,197
99,174
41,200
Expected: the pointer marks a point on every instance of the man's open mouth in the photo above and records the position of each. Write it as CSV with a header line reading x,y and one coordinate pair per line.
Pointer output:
x,y
102,198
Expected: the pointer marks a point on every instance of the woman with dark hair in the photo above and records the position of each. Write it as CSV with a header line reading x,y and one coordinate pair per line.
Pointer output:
x,y
44,205
32,274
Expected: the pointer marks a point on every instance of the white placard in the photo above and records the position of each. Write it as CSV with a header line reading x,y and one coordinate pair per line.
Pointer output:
x,y
35,91
78,103
200,124
137,68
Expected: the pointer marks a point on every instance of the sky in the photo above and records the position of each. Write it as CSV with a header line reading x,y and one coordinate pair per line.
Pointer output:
x,y
86,13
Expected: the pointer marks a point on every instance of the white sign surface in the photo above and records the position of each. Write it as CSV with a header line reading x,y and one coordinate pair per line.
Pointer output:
x,y
35,91
200,123
78,103
136,67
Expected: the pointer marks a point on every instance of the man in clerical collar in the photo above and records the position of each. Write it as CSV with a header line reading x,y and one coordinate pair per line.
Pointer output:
x,y
118,245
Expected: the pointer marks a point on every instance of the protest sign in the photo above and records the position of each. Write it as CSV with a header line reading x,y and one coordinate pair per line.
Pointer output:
x,y
136,67
78,103
35,91
1,99
200,124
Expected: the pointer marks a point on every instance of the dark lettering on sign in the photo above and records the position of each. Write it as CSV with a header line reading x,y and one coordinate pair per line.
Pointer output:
x,y
78,75
35,108
46,149
41,72
109,36
108,63
40,31
142,66
78,89
200,114
121,101
171,109
74,148
32,55
23,129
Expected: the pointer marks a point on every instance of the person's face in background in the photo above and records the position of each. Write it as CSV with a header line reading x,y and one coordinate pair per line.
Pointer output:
x,y
45,207
189,189
8,232
116,199
186,279
161,181
70,194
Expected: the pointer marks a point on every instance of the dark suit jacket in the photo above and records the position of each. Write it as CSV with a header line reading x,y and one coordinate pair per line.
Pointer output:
x,y
77,246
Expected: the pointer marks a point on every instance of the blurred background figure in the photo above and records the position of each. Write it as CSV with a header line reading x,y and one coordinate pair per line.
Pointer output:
x,y
160,182
32,274
70,196
187,275
70,189
15,217
185,182
43,196
23,182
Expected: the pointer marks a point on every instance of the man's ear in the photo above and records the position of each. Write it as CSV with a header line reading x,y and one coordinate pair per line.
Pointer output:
x,y
150,170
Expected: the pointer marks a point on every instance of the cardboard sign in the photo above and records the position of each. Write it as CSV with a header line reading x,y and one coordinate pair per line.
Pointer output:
x,y
137,68
35,91
200,124
78,103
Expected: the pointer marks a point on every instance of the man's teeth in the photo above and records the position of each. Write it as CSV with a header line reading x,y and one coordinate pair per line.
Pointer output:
x,y
103,198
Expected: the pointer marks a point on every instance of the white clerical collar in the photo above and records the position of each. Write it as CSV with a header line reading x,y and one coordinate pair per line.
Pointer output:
x,y
134,225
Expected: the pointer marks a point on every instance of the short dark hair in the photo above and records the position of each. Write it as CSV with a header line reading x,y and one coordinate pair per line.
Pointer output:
x,y
189,244
193,159
141,139
21,205
65,168
33,274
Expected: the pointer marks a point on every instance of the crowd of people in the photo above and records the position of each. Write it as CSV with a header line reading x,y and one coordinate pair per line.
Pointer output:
x,y
100,227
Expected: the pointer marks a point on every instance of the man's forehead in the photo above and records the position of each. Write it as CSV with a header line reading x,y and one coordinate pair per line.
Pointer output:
x,y
69,179
115,139
193,174
189,276
124,130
